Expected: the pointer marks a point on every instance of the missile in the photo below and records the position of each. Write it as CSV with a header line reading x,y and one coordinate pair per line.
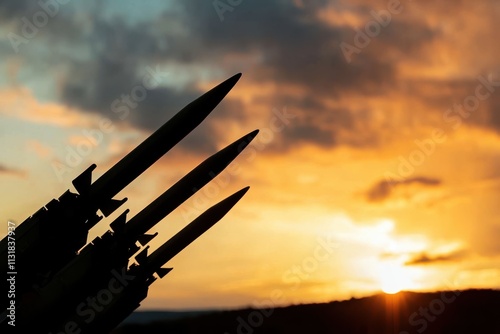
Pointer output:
x,y
150,150
185,188
131,296
139,277
59,229
188,234
112,250
57,276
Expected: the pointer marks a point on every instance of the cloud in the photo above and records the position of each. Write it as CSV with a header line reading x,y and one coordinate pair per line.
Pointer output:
x,y
21,104
384,190
425,258
290,44
129,64
4,170
40,149
12,9
294,46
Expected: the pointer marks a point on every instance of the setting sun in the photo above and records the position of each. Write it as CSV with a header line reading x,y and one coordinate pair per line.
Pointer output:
x,y
393,278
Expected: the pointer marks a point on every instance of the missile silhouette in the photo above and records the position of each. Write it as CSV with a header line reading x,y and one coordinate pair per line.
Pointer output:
x,y
188,234
185,187
114,249
150,150
59,229
138,278
58,271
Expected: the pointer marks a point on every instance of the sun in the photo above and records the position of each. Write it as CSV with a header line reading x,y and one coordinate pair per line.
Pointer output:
x,y
391,285
394,277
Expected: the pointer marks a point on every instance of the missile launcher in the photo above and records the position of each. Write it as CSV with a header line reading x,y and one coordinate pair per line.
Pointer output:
x,y
63,283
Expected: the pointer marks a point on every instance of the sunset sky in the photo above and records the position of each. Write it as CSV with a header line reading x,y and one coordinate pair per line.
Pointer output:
x,y
377,167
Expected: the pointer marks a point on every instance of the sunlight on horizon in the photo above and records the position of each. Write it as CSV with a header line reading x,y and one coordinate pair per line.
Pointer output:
x,y
394,278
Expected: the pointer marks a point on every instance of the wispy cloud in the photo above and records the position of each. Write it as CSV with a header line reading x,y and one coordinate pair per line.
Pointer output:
x,y
5,170
426,258
383,190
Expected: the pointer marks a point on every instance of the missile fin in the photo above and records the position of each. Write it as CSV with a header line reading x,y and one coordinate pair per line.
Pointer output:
x,y
118,225
145,238
83,181
142,256
109,206
133,249
163,271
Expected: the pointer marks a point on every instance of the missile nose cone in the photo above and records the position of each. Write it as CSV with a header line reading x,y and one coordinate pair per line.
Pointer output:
x,y
213,97
192,231
239,145
231,201
253,134
186,187
156,145
233,80
219,210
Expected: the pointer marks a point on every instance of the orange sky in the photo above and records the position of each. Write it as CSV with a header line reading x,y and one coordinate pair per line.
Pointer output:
x,y
382,175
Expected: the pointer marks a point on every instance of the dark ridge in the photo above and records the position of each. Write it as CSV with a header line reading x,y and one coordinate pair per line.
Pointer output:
x,y
471,311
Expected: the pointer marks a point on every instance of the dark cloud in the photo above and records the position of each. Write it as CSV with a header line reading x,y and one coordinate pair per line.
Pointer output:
x,y
449,97
384,189
282,42
120,53
292,46
295,48
106,85
312,134
425,258
493,107
313,122
115,55
14,10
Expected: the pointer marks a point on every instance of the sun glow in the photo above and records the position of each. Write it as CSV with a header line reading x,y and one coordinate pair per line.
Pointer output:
x,y
394,277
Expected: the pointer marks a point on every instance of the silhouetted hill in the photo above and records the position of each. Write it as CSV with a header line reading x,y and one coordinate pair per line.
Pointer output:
x,y
472,311
145,317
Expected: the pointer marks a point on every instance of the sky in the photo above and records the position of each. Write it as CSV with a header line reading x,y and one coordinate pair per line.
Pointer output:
x,y
377,163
